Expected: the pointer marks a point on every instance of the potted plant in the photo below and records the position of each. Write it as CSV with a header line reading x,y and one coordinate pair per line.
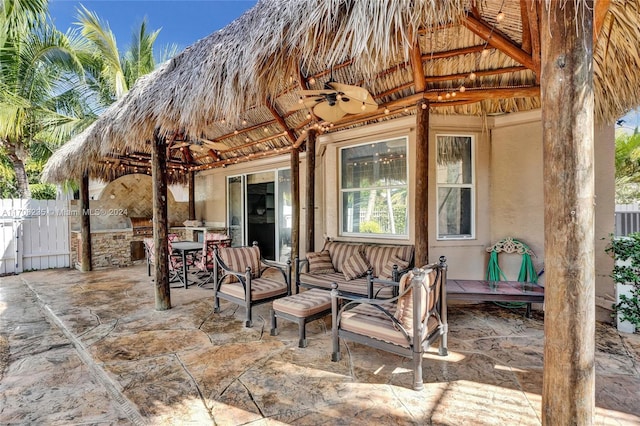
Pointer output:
x,y
626,275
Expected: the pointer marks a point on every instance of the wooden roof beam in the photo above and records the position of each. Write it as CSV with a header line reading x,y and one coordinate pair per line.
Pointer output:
x,y
280,120
526,31
416,65
459,76
533,14
500,42
228,161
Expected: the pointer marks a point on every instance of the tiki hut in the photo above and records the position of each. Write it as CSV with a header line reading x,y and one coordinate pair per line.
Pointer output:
x,y
536,85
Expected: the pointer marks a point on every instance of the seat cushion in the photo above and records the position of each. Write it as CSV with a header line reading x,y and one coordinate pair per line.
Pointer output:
x,y
320,262
371,322
357,286
261,288
305,304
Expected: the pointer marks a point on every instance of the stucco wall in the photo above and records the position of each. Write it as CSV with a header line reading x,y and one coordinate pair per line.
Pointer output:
x,y
509,191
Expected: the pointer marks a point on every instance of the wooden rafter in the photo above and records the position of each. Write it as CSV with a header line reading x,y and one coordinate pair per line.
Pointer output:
x,y
416,65
534,31
500,42
236,160
526,32
280,120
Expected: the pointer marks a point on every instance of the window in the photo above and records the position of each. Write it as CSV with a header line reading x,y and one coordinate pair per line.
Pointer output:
x,y
373,188
455,187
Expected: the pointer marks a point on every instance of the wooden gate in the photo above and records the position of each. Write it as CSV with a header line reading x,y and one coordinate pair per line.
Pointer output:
x,y
34,235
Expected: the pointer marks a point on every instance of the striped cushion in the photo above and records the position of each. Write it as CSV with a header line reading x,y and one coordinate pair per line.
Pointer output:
x,y
357,286
378,256
355,266
387,271
371,322
320,262
404,309
238,258
305,304
340,252
261,288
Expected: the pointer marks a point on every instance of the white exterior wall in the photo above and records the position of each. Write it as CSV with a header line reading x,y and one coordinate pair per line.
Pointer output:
x,y
509,191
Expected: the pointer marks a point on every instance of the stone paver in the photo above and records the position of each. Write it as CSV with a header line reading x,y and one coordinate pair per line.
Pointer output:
x,y
90,348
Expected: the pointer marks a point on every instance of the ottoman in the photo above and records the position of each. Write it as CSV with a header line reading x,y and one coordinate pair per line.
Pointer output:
x,y
301,308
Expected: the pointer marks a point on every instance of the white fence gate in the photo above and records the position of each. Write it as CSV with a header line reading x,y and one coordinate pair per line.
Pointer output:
x,y
34,235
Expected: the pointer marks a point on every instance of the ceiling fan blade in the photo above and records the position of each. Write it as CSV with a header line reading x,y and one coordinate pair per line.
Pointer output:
x,y
328,112
315,92
352,92
306,103
218,146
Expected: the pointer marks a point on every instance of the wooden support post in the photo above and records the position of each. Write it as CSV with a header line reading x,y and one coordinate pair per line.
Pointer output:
x,y
295,203
421,198
567,95
85,224
311,189
159,178
192,195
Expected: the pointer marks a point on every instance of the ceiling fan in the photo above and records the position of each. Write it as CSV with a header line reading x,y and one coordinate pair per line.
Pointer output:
x,y
335,101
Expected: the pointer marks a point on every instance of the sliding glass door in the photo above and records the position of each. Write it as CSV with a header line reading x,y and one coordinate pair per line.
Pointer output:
x,y
259,209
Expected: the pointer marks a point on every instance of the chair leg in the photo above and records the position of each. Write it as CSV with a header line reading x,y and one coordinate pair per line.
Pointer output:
x,y
302,333
417,371
335,356
442,350
274,323
248,323
216,304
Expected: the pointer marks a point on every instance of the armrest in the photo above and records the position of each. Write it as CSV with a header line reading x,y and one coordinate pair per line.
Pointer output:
x,y
285,271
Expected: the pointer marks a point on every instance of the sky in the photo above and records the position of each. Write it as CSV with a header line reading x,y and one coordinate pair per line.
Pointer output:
x,y
180,22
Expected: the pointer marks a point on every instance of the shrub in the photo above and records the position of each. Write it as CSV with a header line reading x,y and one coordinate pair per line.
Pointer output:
x,y
626,270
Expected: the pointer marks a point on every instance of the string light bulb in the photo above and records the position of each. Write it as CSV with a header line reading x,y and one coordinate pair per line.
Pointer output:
x,y
448,95
500,16
363,107
424,106
244,122
472,76
453,94
439,97
386,110
312,80
485,52
462,89
300,101
247,140
308,116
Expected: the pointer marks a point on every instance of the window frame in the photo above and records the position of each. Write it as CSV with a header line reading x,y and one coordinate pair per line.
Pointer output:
x,y
342,191
472,186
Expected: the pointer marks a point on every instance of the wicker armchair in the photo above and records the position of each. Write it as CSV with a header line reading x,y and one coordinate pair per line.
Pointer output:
x,y
405,325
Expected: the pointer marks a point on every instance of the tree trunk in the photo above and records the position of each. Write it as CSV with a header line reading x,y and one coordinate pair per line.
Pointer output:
x,y
421,204
295,203
568,391
85,224
161,242
16,156
311,190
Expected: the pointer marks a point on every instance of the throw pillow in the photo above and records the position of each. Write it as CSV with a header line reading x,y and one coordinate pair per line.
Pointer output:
x,y
320,262
387,270
355,266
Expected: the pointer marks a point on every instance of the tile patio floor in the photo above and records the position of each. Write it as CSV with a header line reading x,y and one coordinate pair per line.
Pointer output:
x,y
89,348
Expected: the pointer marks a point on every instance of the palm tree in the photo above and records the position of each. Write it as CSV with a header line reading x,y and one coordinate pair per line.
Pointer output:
x,y
35,62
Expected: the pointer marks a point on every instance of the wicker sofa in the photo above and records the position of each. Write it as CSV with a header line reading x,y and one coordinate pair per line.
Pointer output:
x,y
354,267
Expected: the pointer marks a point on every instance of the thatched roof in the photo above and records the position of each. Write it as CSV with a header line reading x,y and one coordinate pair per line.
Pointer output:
x,y
226,98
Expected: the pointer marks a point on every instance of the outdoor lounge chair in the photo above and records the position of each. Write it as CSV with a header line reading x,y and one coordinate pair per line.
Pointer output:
x,y
405,325
204,261
241,277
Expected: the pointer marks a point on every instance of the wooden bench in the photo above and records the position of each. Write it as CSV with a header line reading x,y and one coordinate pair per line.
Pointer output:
x,y
495,291
301,308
